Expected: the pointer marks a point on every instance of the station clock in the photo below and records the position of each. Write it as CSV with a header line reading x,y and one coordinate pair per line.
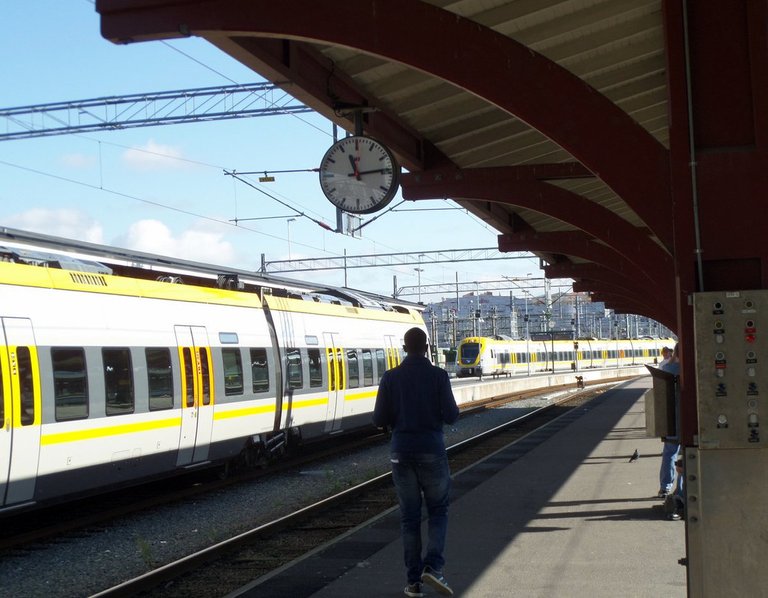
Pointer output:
x,y
359,174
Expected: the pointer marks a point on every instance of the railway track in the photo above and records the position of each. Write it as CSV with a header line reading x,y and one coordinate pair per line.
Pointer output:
x,y
49,523
255,554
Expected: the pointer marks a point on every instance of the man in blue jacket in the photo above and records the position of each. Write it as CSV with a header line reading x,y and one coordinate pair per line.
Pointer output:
x,y
415,400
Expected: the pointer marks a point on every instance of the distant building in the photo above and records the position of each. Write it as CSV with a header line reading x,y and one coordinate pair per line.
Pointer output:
x,y
571,315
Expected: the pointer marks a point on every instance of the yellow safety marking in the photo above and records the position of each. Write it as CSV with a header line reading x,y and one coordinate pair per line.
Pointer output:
x,y
356,396
261,409
306,403
105,431
244,412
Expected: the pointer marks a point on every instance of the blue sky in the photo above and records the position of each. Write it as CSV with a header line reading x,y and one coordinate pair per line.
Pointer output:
x,y
163,189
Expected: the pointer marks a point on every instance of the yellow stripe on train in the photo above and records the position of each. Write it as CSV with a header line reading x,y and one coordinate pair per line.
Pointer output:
x,y
103,432
357,396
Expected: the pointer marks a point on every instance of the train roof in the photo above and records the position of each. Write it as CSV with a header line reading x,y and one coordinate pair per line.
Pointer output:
x,y
57,252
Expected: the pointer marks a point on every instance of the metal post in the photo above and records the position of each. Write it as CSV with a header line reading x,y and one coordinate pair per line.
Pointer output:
x,y
345,268
552,333
288,225
527,337
457,294
578,326
418,274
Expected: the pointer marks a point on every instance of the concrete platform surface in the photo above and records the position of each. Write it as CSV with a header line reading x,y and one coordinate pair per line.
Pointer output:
x,y
567,516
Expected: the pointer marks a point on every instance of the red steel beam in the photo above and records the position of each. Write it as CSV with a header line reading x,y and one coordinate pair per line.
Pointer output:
x,y
623,305
657,305
310,77
592,272
515,186
572,243
488,64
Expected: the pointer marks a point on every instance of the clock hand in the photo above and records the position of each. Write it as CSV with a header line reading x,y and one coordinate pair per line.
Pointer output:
x,y
354,172
358,174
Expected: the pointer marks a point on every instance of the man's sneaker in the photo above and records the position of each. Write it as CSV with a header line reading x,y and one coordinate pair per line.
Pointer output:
x,y
413,590
437,581
662,494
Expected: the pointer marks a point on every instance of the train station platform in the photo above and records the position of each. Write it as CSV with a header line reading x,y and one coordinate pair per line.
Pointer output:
x,y
562,513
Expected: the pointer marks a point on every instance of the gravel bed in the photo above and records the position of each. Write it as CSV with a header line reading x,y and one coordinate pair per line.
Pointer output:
x,y
97,559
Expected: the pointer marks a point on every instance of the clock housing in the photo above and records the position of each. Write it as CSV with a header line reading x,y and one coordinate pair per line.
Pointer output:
x,y
359,174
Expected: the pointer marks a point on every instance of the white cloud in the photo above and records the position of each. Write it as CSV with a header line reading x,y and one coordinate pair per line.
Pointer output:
x,y
78,160
152,236
154,156
67,223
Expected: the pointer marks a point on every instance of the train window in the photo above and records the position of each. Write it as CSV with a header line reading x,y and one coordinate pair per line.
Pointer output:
x,y
353,369
206,375
315,368
233,371
27,386
70,384
295,375
468,352
159,378
228,338
367,367
259,370
332,368
118,381
381,362
189,377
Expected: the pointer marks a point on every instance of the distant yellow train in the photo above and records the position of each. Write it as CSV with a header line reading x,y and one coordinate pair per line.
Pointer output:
x,y
499,355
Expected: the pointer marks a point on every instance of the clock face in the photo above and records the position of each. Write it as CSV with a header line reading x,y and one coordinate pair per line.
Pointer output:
x,y
359,175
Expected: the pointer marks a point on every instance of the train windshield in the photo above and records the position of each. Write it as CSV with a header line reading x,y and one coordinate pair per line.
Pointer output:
x,y
469,352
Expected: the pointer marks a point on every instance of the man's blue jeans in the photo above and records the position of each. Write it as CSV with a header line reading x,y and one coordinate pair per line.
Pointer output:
x,y
667,469
414,475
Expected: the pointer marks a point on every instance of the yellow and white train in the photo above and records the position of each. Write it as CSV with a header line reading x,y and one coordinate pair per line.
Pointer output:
x,y
500,355
109,379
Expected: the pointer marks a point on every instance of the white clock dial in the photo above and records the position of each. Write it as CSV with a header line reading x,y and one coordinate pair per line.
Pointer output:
x,y
359,175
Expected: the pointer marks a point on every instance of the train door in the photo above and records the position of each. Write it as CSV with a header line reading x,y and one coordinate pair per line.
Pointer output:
x,y
336,381
21,417
196,394
5,418
393,351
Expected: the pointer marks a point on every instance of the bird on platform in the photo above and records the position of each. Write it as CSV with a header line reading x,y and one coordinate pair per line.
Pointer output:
x,y
635,456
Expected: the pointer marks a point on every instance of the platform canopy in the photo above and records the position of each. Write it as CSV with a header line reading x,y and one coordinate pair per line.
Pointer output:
x,y
548,119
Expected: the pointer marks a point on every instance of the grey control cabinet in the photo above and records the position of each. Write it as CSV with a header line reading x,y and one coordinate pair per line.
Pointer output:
x,y
726,474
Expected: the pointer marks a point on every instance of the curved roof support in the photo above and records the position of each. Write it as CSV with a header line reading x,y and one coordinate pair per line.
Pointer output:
x,y
516,186
573,243
486,63
619,288
623,305
306,74
592,271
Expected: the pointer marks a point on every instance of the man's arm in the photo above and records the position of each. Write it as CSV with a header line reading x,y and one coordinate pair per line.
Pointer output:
x,y
381,412
447,401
